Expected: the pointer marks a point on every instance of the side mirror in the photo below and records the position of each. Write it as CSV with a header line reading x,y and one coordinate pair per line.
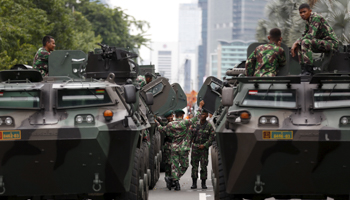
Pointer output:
x,y
149,98
130,94
227,96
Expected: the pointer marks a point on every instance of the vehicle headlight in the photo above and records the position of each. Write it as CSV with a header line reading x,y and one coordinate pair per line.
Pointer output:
x,y
89,119
79,119
344,120
263,120
8,121
273,120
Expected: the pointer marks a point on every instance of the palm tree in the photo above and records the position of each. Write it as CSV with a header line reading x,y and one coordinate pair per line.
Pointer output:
x,y
284,14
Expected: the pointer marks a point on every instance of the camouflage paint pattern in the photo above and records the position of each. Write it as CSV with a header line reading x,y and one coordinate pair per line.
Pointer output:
x,y
179,160
318,37
41,60
204,136
265,60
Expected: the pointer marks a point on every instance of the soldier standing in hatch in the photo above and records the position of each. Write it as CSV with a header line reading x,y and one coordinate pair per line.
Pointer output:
x,y
266,58
144,80
203,135
181,145
167,143
319,36
41,59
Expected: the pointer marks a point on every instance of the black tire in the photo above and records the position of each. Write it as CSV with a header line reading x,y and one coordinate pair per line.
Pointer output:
x,y
221,186
158,152
145,167
133,193
152,164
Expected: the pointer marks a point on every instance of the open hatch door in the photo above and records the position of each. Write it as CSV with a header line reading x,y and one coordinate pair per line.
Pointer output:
x,y
181,99
210,92
164,96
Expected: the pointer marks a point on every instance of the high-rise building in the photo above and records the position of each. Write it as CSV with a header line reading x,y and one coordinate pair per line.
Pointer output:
x,y
189,39
232,20
228,54
202,48
164,56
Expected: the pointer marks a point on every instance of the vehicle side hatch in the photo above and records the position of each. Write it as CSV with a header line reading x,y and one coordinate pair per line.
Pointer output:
x,y
164,96
67,63
181,99
210,92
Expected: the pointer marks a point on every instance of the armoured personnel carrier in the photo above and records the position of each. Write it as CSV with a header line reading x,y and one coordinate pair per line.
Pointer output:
x,y
283,136
83,132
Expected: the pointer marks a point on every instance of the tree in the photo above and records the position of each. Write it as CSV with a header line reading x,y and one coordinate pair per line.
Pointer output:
x,y
21,27
284,14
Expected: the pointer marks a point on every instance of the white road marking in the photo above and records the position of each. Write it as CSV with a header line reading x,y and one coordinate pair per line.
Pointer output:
x,y
202,196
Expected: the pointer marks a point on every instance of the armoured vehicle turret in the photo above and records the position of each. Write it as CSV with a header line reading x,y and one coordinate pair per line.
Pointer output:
x,y
283,136
86,131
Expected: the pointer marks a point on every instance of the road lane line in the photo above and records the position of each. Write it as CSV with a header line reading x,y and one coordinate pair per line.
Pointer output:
x,y
202,196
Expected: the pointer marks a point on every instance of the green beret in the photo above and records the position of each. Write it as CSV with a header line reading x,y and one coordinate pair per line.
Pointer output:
x,y
179,111
167,114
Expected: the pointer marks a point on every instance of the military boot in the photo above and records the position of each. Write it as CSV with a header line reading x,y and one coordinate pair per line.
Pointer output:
x,y
194,183
204,186
169,182
177,185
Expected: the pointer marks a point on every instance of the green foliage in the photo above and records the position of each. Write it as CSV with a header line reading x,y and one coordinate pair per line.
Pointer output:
x,y
23,24
113,25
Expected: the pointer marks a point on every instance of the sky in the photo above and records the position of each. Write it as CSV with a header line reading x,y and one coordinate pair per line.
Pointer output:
x,y
162,15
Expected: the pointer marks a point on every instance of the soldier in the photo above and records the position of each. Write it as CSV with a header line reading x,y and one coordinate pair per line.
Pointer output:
x,y
143,80
266,58
318,37
203,135
181,145
167,144
41,59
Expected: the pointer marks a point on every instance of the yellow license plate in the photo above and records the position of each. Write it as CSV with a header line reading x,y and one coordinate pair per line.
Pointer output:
x,y
277,135
10,135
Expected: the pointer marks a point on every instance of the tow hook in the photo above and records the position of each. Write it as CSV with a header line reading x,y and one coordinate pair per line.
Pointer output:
x,y
258,185
96,186
2,186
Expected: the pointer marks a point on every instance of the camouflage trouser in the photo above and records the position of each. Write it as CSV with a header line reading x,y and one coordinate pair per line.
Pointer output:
x,y
167,159
179,164
307,46
199,155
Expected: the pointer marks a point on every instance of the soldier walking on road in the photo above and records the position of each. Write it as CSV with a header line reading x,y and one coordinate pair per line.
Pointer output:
x,y
203,136
167,144
181,145
318,37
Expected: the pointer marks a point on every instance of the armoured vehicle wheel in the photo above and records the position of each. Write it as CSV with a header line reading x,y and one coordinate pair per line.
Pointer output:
x,y
220,192
144,175
152,164
133,193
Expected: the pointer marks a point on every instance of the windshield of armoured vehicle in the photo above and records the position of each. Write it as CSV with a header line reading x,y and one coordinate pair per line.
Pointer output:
x,y
20,99
82,97
270,98
331,98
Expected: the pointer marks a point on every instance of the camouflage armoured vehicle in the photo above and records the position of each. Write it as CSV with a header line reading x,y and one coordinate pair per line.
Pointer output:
x,y
79,133
283,136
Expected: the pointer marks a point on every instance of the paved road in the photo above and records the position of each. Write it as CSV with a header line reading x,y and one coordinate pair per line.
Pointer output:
x,y
160,192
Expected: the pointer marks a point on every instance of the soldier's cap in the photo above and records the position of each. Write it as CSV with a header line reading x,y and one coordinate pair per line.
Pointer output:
x,y
179,111
147,74
167,114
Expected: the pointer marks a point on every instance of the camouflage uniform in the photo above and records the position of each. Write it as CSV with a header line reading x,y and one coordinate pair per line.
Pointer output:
x,y
141,80
41,61
167,151
265,60
179,131
205,135
318,37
